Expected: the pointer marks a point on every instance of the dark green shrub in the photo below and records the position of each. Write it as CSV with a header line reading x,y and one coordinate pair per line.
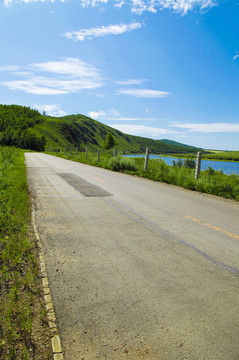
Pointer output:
x,y
120,163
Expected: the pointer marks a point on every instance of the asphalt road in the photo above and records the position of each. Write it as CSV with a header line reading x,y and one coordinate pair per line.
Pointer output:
x,y
137,269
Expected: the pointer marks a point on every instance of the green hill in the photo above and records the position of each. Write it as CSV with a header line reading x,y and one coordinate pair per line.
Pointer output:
x,y
27,128
171,142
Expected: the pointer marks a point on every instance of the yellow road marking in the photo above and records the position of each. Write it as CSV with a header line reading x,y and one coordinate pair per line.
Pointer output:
x,y
93,177
212,227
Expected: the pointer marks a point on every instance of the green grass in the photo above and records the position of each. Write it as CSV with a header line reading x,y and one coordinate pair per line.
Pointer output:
x,y
210,181
223,155
20,292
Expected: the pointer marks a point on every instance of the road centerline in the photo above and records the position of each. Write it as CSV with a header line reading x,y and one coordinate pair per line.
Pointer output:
x,y
95,178
212,227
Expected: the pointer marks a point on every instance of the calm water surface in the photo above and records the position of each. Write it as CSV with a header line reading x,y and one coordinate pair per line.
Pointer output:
x,y
227,167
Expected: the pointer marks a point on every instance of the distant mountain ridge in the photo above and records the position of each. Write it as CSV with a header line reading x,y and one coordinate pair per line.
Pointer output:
x,y
27,128
171,142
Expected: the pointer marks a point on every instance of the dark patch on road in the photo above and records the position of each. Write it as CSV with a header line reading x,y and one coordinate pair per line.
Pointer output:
x,y
83,186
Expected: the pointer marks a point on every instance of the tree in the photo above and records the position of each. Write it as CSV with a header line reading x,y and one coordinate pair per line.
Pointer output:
x,y
109,141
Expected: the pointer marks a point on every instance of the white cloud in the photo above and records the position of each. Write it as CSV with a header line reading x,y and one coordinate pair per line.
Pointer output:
x,y
208,127
114,115
83,34
236,56
96,114
68,66
139,6
180,6
119,3
7,2
93,3
131,82
69,75
144,93
104,114
49,86
52,110
10,68
124,118
142,130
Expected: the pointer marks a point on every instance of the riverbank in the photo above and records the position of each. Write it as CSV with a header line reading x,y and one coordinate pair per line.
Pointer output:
x,y
228,167
232,156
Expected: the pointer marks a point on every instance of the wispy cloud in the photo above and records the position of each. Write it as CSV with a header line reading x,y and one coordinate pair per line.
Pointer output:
x,y
69,66
144,93
131,82
114,115
184,6
142,130
180,6
236,56
124,118
207,127
140,6
51,109
101,31
65,76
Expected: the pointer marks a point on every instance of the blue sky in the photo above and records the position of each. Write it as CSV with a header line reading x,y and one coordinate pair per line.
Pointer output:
x,y
154,68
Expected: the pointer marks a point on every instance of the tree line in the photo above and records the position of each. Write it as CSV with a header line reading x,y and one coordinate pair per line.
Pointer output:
x,y
17,127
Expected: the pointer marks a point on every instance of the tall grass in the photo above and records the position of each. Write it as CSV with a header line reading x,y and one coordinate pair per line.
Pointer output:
x,y
119,163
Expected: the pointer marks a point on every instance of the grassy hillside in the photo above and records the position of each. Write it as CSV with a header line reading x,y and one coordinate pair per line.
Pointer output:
x,y
27,128
171,142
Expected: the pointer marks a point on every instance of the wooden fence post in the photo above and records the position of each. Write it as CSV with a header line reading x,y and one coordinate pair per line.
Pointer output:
x,y
146,158
98,155
198,165
114,152
86,152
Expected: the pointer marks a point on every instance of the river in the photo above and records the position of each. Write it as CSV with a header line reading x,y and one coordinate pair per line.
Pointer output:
x,y
228,167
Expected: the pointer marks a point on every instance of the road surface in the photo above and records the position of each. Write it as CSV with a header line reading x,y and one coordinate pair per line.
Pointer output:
x,y
137,269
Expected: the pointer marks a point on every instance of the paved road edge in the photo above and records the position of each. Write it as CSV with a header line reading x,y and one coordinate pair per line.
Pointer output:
x,y
56,341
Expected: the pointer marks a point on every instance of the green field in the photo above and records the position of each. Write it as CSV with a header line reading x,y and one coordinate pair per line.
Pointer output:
x,y
223,155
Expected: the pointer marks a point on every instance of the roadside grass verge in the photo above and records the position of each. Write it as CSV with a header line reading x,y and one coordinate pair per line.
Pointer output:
x,y
106,160
24,332
210,181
